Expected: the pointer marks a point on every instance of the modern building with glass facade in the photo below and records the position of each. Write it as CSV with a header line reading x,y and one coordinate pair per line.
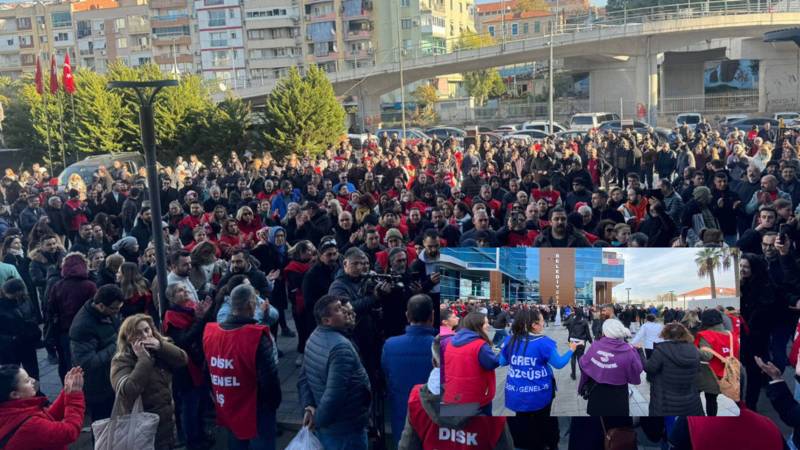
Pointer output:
x,y
565,276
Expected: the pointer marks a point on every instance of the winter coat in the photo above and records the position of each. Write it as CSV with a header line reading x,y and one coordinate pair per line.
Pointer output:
x,y
150,378
93,342
40,263
579,329
366,323
29,217
406,362
333,380
69,294
19,332
44,428
574,238
671,369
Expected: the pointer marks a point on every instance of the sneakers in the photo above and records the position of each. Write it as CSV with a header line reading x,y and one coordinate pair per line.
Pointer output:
x,y
299,361
288,333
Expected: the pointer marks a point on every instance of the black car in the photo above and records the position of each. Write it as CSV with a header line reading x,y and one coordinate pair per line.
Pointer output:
x,y
617,125
746,124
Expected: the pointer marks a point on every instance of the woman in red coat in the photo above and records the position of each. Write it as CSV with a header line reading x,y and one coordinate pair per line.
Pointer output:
x,y
25,422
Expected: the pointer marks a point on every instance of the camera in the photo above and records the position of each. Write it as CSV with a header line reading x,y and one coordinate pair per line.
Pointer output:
x,y
394,279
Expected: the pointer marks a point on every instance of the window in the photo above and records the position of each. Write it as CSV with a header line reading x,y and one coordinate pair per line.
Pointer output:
x,y
405,3
119,24
232,13
61,19
26,41
491,30
122,42
214,2
220,58
405,24
28,60
525,28
514,29
43,39
257,35
216,18
537,27
218,39
61,37
24,23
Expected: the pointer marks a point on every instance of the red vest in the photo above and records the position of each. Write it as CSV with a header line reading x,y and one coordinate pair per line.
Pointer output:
x,y
479,433
300,268
231,359
79,219
467,381
795,346
181,321
721,343
748,430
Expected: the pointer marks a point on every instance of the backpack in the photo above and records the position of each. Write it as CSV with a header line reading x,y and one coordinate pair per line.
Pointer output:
x,y
729,384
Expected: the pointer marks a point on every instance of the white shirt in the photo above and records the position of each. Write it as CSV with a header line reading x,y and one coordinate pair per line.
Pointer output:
x,y
648,334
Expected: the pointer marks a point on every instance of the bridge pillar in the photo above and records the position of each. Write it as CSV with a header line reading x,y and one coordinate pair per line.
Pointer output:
x,y
646,89
369,111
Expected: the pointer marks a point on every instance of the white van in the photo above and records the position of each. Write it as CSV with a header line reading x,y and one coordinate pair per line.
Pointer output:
x,y
690,119
587,121
542,125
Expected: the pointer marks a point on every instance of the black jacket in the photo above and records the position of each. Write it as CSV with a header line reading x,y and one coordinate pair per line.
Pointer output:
x,y
269,384
19,332
671,370
574,238
93,342
579,329
784,403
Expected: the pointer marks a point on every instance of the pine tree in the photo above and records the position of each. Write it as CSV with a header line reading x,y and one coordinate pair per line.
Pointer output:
x,y
97,114
302,114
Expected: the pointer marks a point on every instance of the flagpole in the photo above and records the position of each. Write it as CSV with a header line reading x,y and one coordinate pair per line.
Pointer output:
x,y
62,143
74,127
47,122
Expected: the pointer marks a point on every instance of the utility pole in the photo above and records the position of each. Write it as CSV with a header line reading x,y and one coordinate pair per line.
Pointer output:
x,y
629,295
402,85
550,93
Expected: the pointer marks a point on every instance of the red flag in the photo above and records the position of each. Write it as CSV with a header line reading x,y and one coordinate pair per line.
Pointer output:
x,y
53,76
39,82
69,82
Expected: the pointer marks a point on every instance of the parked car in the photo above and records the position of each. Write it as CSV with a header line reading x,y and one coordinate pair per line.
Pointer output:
x,y
534,134
413,136
505,129
789,118
523,139
587,121
494,138
726,121
691,119
570,134
542,125
443,133
618,125
746,124
88,166
666,135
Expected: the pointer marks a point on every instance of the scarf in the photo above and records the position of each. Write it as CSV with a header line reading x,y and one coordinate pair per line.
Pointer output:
x,y
14,252
272,232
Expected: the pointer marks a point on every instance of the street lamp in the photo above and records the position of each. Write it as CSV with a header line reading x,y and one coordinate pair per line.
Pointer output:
x,y
629,295
149,145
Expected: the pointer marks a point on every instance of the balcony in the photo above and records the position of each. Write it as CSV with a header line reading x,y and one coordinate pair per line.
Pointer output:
x,y
323,18
218,43
139,28
358,35
167,40
23,44
314,2
174,20
331,56
168,4
359,54
169,59
434,30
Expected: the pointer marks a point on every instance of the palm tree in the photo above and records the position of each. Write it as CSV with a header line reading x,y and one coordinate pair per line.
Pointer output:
x,y
708,260
732,254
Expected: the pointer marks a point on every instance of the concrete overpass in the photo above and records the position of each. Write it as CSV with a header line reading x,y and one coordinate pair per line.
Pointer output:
x,y
635,42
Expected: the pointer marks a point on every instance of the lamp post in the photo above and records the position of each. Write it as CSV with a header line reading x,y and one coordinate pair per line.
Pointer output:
x,y
629,295
400,61
672,298
149,145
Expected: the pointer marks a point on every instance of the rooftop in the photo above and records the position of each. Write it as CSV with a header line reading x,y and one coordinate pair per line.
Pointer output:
x,y
706,291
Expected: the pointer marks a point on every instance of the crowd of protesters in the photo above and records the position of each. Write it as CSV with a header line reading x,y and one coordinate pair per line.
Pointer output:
x,y
348,244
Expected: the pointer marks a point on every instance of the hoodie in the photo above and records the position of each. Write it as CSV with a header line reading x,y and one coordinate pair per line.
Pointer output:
x,y
69,294
610,361
486,357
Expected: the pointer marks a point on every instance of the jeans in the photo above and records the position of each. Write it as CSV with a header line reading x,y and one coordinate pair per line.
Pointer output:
x,y
356,440
500,335
64,356
267,431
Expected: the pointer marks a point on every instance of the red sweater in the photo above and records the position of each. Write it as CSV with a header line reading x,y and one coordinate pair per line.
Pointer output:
x,y
52,428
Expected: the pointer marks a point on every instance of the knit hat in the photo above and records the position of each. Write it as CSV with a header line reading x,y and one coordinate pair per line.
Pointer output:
x,y
711,317
614,329
393,233
126,243
327,242
14,286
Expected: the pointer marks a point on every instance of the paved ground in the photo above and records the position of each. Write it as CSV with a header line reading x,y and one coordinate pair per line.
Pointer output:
x,y
569,403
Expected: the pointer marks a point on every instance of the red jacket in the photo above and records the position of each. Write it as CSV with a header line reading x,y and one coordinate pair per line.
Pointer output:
x,y
52,428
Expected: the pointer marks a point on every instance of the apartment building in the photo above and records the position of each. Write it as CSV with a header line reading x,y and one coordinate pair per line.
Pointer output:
x,y
108,31
174,36
220,32
493,12
273,41
518,25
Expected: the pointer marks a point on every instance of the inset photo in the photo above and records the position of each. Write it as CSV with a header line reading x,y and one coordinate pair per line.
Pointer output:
x,y
590,331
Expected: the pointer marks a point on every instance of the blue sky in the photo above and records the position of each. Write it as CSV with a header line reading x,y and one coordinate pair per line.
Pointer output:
x,y
649,272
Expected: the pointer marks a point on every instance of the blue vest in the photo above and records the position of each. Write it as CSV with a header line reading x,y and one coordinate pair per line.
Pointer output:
x,y
530,382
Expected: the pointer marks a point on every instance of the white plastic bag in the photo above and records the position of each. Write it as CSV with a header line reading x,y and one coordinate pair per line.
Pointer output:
x,y
305,440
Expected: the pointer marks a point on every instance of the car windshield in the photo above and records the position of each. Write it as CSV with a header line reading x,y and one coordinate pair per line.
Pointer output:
x,y
584,120
691,120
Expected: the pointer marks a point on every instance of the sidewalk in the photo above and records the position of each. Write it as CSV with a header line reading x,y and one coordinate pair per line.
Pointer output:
x,y
569,403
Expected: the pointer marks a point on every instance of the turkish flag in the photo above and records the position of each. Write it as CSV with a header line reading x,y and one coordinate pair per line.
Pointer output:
x,y
39,82
67,79
53,75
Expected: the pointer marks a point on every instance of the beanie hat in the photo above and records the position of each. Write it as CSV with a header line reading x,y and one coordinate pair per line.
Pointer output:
x,y
711,317
126,243
702,194
393,233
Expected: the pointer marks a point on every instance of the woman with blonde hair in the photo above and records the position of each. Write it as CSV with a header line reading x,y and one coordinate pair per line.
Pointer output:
x,y
76,182
142,367
248,223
